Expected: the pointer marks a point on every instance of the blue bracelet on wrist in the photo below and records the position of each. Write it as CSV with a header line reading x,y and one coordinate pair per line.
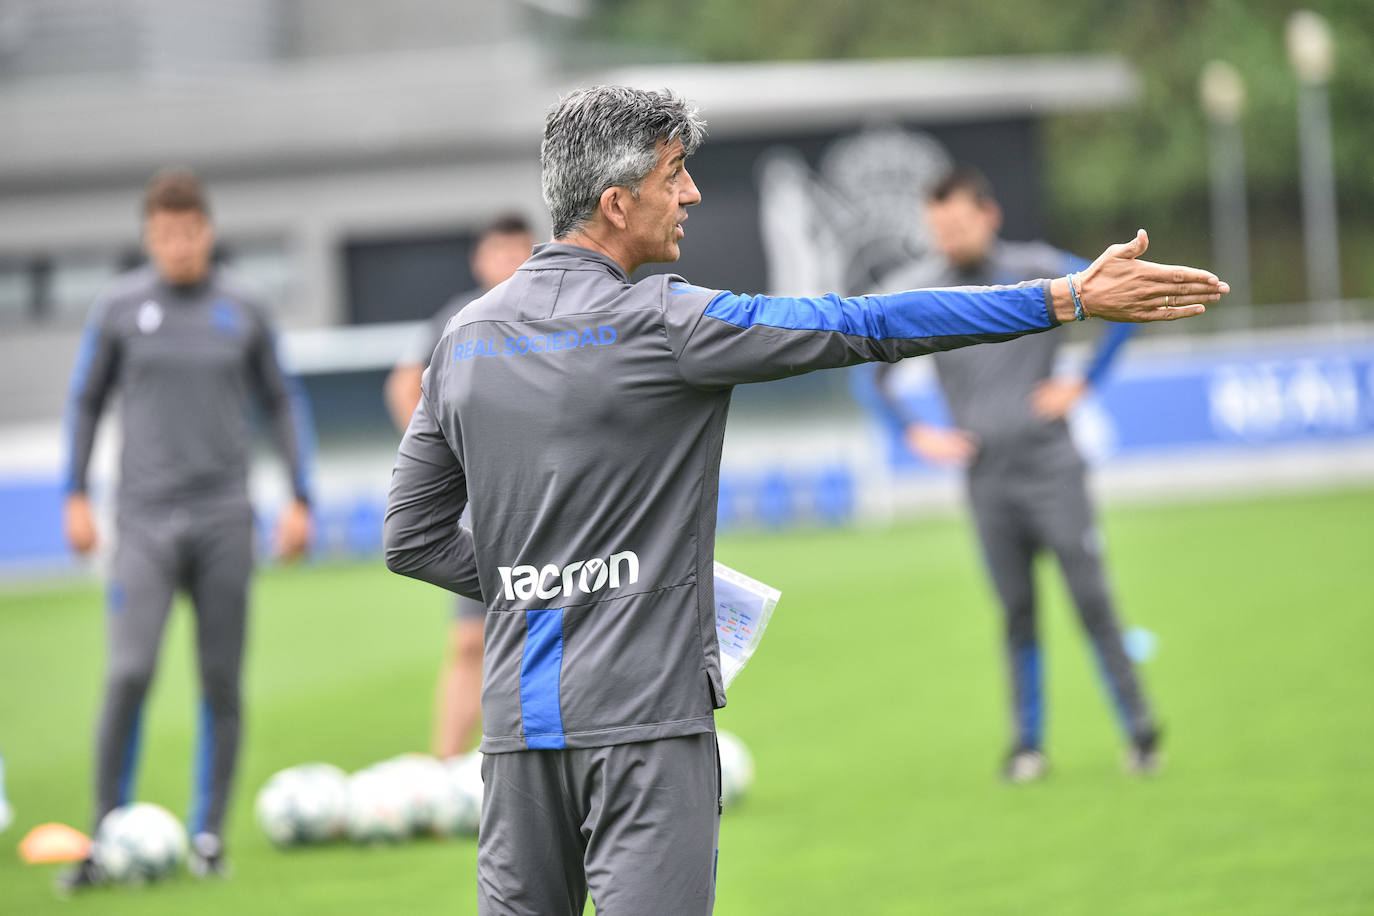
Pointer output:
x,y
1078,312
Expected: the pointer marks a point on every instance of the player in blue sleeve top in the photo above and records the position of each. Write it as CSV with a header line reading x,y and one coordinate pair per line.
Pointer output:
x,y
1025,478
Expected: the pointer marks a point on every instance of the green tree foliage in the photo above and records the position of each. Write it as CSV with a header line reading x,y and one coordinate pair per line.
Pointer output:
x,y
1108,172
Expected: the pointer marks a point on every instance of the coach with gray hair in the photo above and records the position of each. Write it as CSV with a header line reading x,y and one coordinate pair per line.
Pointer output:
x,y
585,413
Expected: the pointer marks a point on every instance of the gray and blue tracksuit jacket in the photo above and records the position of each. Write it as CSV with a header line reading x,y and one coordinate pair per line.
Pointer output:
x,y
188,361
583,415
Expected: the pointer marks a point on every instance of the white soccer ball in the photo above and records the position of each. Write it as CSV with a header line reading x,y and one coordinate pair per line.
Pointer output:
x,y
140,842
736,768
380,810
460,812
303,804
429,791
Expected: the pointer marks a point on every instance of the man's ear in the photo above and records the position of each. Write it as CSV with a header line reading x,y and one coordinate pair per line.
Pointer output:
x,y
995,214
613,205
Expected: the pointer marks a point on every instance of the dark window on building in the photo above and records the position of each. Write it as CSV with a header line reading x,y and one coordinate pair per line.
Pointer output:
x,y
405,279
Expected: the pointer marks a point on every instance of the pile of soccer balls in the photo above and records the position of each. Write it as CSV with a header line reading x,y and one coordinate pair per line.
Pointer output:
x,y
388,802
411,795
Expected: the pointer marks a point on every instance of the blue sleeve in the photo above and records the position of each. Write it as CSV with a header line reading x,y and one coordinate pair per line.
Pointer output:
x,y
1107,348
722,339
93,376
913,314
288,411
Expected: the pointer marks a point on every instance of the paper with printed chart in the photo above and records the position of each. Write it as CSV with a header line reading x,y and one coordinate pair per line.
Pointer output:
x,y
743,609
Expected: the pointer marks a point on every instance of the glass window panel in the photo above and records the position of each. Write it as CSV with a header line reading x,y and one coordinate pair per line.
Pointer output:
x,y
76,282
267,268
16,291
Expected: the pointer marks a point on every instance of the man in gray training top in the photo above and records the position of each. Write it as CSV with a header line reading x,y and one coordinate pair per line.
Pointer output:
x,y
503,245
1026,480
583,414
186,349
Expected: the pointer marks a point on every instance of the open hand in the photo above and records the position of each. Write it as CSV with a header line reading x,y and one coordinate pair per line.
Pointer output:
x,y
1118,286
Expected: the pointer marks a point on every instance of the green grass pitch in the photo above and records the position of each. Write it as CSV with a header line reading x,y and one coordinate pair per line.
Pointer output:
x,y
875,712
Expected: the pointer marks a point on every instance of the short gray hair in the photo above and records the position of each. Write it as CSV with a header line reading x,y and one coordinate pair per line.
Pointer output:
x,y
607,137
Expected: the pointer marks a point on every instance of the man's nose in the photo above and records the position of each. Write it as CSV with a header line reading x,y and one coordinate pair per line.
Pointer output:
x,y
690,194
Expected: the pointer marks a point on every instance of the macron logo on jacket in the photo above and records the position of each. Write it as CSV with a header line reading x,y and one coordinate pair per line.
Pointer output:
x,y
587,576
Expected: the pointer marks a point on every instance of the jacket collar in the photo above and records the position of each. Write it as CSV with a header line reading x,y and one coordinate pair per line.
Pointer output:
x,y
562,256
185,291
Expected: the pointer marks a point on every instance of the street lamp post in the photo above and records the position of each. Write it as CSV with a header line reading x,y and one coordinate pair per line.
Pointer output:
x,y
1312,54
1223,99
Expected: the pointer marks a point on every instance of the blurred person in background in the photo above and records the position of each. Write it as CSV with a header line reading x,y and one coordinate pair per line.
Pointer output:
x,y
503,245
584,414
1025,478
187,350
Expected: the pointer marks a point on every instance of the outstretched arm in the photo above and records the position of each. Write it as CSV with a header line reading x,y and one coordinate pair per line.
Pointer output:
x,y
722,339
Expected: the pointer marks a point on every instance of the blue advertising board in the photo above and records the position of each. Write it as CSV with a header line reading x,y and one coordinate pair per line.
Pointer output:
x,y
1255,397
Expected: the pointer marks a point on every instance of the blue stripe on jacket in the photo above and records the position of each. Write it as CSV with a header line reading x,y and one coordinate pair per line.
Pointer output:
x,y
541,671
85,355
911,314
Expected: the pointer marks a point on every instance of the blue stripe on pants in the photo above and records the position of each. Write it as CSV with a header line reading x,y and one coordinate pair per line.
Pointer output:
x,y
129,763
205,762
541,669
1030,707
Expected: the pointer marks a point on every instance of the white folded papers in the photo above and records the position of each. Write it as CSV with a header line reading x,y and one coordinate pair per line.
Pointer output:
x,y
743,608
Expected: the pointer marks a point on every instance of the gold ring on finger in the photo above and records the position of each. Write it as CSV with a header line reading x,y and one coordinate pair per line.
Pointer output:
x,y
1168,302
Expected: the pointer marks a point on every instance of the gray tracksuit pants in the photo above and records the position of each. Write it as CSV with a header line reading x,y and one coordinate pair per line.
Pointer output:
x,y
207,552
1017,516
637,824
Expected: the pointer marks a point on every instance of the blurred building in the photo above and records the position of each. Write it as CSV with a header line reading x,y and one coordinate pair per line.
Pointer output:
x,y
343,142
354,147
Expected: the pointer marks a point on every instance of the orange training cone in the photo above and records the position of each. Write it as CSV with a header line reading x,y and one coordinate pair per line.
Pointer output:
x,y
54,843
